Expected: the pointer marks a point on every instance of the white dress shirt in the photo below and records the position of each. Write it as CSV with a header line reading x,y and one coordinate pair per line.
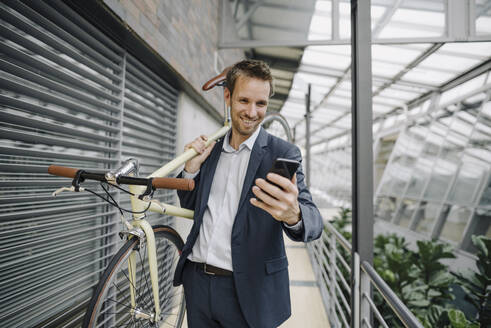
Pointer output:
x,y
213,245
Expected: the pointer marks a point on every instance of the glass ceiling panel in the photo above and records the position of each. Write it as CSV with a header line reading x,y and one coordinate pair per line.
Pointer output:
x,y
296,93
320,26
385,69
408,87
346,85
398,94
344,20
416,23
342,93
424,76
483,17
448,63
317,92
339,101
325,115
326,134
381,109
344,50
339,61
314,79
472,49
394,54
382,100
345,122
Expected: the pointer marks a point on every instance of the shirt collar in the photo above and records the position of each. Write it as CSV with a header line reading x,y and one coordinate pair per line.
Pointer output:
x,y
249,142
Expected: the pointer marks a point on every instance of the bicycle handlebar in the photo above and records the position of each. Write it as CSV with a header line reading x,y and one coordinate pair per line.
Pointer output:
x,y
165,183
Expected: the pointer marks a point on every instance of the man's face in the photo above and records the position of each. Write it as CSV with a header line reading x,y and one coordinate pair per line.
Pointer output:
x,y
248,104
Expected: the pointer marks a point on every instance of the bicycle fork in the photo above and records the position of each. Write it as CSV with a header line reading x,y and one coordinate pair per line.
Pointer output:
x,y
139,222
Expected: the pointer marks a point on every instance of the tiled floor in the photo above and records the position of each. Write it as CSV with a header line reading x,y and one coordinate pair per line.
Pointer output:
x,y
307,307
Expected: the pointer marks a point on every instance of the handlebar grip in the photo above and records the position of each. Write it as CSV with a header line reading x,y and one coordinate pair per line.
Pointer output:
x,y
62,171
173,183
166,183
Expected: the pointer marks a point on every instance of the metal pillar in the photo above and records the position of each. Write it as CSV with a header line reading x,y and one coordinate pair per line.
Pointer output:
x,y
307,136
362,153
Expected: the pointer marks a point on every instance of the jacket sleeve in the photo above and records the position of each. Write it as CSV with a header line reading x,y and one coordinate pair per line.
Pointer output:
x,y
311,218
188,198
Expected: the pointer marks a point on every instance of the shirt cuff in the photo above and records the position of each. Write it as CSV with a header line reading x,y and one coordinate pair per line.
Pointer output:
x,y
296,227
187,175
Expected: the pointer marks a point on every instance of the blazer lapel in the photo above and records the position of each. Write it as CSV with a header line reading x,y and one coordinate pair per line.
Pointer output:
x,y
257,154
207,173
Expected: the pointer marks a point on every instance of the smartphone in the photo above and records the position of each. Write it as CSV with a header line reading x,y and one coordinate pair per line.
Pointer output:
x,y
285,167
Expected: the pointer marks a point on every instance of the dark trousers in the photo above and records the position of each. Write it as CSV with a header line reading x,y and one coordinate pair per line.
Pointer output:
x,y
211,301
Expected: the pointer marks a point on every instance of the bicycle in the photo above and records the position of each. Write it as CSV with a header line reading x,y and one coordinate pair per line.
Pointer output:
x,y
136,287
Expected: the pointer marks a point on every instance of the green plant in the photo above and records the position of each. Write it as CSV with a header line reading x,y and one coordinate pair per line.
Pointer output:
x,y
435,277
457,320
450,318
419,278
342,222
477,285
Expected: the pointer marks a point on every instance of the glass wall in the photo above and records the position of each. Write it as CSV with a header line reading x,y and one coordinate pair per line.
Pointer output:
x,y
437,180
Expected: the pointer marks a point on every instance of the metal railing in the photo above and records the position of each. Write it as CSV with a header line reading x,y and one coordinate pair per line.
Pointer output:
x,y
332,268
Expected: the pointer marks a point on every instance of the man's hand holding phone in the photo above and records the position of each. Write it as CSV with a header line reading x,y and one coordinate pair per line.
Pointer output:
x,y
278,194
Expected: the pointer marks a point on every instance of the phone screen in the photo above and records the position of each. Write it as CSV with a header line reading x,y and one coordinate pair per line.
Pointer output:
x,y
285,167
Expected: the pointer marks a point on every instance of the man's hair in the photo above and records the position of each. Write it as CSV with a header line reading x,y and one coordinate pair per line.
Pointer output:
x,y
250,68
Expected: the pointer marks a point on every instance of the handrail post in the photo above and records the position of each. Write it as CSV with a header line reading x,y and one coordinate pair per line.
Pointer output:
x,y
308,160
365,289
356,289
332,260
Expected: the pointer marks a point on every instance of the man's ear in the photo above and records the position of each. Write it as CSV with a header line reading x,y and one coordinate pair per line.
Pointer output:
x,y
226,96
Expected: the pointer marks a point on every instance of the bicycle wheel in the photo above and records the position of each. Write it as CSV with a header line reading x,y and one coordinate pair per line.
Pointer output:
x,y
110,305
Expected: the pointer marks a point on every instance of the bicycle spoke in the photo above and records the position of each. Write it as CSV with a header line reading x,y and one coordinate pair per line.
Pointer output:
x,y
130,282
172,325
114,310
141,281
144,272
117,302
175,295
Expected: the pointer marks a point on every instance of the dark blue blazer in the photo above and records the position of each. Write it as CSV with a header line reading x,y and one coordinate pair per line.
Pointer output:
x,y
258,252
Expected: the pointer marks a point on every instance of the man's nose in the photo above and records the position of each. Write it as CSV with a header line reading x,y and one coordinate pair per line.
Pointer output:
x,y
251,110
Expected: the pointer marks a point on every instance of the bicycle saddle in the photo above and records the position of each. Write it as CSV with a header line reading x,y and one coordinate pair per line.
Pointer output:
x,y
217,80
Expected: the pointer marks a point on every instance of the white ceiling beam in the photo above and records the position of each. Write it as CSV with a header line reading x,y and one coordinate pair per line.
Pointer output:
x,y
385,19
457,19
241,44
247,15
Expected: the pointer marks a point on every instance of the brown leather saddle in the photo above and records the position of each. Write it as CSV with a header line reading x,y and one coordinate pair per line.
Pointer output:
x,y
219,80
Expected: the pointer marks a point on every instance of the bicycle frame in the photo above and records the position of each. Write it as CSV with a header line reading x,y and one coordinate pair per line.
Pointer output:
x,y
139,222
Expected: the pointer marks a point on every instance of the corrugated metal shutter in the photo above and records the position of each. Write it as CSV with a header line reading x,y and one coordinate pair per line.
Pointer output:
x,y
68,95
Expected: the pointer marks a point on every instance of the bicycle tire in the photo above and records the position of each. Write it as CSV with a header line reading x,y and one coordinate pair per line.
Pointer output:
x,y
110,303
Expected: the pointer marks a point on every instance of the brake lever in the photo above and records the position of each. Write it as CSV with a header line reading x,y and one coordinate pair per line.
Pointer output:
x,y
75,184
62,189
148,194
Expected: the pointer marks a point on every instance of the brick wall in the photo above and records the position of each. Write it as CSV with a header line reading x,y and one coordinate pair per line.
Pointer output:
x,y
182,32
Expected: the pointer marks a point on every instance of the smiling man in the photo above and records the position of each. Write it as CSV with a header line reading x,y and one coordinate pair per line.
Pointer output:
x,y
233,266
